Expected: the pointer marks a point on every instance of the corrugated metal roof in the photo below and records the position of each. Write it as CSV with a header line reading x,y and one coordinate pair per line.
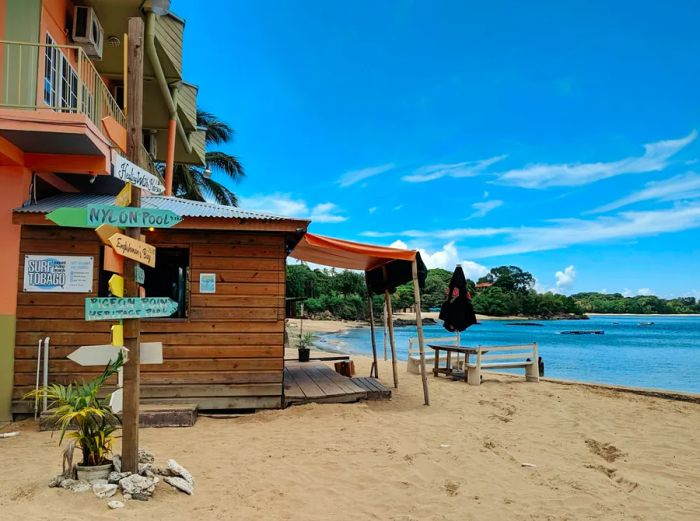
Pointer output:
x,y
181,207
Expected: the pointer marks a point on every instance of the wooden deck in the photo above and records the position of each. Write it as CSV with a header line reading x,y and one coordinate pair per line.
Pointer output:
x,y
316,382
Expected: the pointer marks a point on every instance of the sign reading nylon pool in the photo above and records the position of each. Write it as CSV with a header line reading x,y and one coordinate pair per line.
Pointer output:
x,y
112,308
131,217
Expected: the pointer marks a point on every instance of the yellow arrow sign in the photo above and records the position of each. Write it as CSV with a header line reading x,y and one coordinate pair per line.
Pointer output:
x,y
105,231
117,335
133,249
116,285
123,198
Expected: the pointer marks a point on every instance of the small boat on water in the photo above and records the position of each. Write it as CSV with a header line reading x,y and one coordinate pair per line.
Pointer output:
x,y
583,332
523,324
646,323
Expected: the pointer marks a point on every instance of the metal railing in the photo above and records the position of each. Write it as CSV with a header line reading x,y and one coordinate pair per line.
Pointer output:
x,y
62,78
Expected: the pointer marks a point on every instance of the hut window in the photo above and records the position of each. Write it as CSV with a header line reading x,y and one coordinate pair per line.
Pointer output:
x,y
170,277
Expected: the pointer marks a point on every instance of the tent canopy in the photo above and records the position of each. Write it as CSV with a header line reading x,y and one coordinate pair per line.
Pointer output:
x,y
372,259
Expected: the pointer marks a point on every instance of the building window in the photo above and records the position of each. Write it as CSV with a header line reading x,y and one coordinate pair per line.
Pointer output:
x,y
60,79
170,278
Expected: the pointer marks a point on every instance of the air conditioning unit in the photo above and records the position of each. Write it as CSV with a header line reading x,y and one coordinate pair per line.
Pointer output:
x,y
150,143
87,31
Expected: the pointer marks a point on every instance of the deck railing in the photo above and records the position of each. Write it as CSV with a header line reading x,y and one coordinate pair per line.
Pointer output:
x,y
62,78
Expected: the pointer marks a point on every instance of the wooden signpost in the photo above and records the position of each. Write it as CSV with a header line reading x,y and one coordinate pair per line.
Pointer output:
x,y
71,217
114,308
127,171
133,249
98,214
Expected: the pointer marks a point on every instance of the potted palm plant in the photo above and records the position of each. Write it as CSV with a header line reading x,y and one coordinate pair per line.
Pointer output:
x,y
78,408
305,342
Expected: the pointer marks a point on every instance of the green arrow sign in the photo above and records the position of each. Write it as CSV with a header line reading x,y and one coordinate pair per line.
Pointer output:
x,y
123,217
112,308
73,217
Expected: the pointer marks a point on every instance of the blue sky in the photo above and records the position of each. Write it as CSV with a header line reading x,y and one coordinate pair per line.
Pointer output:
x,y
556,136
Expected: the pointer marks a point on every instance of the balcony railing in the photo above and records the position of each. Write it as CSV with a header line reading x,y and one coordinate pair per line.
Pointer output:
x,y
62,78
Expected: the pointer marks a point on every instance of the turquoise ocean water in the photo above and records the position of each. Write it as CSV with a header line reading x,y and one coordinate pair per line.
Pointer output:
x,y
665,355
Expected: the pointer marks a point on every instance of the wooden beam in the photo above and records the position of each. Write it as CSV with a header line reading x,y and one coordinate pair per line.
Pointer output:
x,y
69,163
57,182
419,326
10,154
374,370
132,340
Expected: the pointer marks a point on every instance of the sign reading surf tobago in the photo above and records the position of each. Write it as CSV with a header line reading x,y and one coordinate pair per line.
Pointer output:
x,y
127,171
113,308
129,216
133,249
57,273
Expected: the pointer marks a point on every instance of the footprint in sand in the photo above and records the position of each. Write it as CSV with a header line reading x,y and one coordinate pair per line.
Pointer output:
x,y
606,451
611,473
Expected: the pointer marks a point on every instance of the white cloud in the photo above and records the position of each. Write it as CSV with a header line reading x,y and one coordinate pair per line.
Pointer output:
x,y
655,158
561,233
447,258
627,292
482,208
463,169
326,213
354,176
566,278
455,233
644,291
684,186
283,204
372,209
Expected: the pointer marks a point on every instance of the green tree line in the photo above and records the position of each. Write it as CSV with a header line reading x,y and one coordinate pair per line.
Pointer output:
x,y
505,290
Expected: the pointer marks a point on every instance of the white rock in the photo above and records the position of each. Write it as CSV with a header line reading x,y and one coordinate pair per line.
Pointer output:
x,y
104,490
181,471
179,483
98,481
56,482
146,456
136,484
117,462
75,485
116,477
115,504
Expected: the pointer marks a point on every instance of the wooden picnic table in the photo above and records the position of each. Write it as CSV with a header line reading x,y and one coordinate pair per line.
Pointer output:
x,y
449,349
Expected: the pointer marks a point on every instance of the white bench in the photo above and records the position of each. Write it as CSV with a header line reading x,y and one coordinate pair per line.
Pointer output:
x,y
498,357
413,365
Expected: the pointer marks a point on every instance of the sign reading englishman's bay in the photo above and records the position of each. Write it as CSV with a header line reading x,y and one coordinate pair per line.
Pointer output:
x,y
113,308
133,249
123,217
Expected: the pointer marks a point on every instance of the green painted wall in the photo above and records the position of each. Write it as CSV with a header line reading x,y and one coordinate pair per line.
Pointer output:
x,y
20,63
7,362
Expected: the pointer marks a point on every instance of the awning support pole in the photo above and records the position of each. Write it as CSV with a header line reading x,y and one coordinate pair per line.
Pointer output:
x,y
374,371
390,320
419,326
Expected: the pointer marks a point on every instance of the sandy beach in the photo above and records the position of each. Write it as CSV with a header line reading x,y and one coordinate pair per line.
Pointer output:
x,y
595,454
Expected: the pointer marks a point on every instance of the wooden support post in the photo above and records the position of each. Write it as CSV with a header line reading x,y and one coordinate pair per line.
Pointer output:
x,y
419,326
374,371
384,332
132,379
390,321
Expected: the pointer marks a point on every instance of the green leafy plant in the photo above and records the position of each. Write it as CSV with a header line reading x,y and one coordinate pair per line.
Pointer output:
x,y
78,406
306,341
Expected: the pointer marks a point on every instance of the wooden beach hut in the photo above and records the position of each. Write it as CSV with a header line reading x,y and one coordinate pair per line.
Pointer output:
x,y
225,267
385,269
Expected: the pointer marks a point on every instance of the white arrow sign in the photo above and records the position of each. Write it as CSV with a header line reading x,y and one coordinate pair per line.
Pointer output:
x,y
115,401
151,353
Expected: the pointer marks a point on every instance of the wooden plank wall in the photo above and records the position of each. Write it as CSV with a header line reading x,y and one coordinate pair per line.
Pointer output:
x,y
228,353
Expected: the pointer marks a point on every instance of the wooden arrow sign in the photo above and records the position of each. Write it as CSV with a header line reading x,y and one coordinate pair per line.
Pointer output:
x,y
151,353
105,231
133,249
72,217
123,198
134,217
113,308
125,170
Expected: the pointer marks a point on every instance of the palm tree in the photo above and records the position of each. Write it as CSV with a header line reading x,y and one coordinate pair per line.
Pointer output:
x,y
194,182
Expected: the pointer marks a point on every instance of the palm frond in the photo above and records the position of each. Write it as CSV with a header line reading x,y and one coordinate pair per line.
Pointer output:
x,y
217,131
228,164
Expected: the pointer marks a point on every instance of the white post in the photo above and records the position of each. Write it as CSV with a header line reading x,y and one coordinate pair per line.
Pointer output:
x,y
419,326
46,371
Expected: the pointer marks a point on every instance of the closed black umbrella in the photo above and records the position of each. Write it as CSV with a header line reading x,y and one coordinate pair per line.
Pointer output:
x,y
457,311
